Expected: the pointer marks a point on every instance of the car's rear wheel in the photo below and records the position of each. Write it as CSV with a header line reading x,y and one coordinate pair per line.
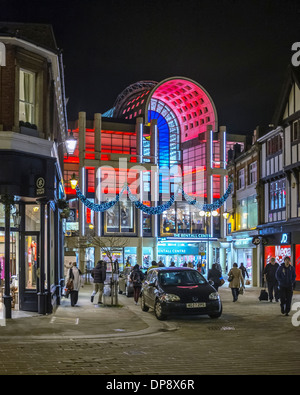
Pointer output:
x,y
158,311
143,305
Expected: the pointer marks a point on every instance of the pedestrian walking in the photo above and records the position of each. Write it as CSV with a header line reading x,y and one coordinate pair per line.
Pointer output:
x,y
99,276
270,278
236,281
286,278
137,277
215,275
74,276
243,270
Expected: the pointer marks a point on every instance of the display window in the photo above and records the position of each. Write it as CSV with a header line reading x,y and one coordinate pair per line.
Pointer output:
x,y
115,255
31,261
278,252
120,218
14,266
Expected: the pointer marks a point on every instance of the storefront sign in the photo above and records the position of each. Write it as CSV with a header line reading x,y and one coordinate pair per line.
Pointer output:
x,y
178,249
40,186
243,243
285,238
277,252
256,240
192,236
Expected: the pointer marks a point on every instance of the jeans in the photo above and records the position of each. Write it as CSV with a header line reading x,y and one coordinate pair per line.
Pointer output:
x,y
286,294
273,289
98,287
235,293
74,297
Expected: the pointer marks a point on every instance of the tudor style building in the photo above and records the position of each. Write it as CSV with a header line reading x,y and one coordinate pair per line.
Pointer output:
x,y
279,182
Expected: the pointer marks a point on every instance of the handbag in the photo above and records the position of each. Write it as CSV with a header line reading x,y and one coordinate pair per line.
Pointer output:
x,y
241,291
222,281
230,277
70,285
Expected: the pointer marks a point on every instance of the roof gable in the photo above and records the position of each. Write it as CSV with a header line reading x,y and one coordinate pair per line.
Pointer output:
x,y
289,98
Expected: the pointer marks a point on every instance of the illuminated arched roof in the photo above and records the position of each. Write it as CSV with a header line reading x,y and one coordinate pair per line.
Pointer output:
x,y
187,99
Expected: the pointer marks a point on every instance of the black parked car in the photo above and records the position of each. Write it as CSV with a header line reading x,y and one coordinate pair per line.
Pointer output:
x,y
179,291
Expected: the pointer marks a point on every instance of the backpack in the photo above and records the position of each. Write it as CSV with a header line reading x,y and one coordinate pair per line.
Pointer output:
x,y
137,277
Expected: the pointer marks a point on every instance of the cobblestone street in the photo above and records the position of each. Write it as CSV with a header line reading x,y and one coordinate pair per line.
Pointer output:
x,y
126,341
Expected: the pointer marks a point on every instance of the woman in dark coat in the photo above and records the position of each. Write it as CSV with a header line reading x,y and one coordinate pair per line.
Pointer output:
x,y
137,278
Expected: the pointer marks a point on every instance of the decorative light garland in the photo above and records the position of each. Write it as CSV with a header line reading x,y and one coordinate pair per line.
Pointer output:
x,y
154,210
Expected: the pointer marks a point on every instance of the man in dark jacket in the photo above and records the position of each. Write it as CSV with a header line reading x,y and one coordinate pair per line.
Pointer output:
x,y
99,276
270,277
286,277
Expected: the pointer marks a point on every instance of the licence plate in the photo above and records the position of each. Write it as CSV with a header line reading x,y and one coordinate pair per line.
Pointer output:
x,y
195,305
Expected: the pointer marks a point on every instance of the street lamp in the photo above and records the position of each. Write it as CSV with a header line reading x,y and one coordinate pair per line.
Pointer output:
x,y
71,143
73,181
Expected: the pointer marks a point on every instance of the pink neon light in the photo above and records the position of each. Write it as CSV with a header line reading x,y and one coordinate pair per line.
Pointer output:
x,y
191,104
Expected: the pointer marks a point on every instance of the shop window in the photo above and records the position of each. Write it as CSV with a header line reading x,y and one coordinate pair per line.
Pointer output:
x,y
31,261
112,219
120,218
27,96
241,176
147,224
14,264
183,218
277,195
169,221
252,173
274,145
296,131
32,217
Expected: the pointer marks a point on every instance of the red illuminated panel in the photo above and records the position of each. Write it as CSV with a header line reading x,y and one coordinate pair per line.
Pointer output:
x,y
191,104
277,252
297,261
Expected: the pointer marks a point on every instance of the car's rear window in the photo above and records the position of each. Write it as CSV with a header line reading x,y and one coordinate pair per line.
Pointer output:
x,y
186,277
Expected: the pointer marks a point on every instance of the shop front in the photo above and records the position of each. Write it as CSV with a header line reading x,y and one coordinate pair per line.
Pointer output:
x,y
245,253
31,246
280,245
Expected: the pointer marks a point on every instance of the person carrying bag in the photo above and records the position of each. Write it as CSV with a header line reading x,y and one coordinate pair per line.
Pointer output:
x,y
236,281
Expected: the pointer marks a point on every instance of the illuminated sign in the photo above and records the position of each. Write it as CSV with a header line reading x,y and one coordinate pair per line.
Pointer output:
x,y
285,238
178,249
277,252
193,236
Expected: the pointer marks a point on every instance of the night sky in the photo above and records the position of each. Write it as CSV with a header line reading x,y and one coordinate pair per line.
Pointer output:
x,y
238,50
